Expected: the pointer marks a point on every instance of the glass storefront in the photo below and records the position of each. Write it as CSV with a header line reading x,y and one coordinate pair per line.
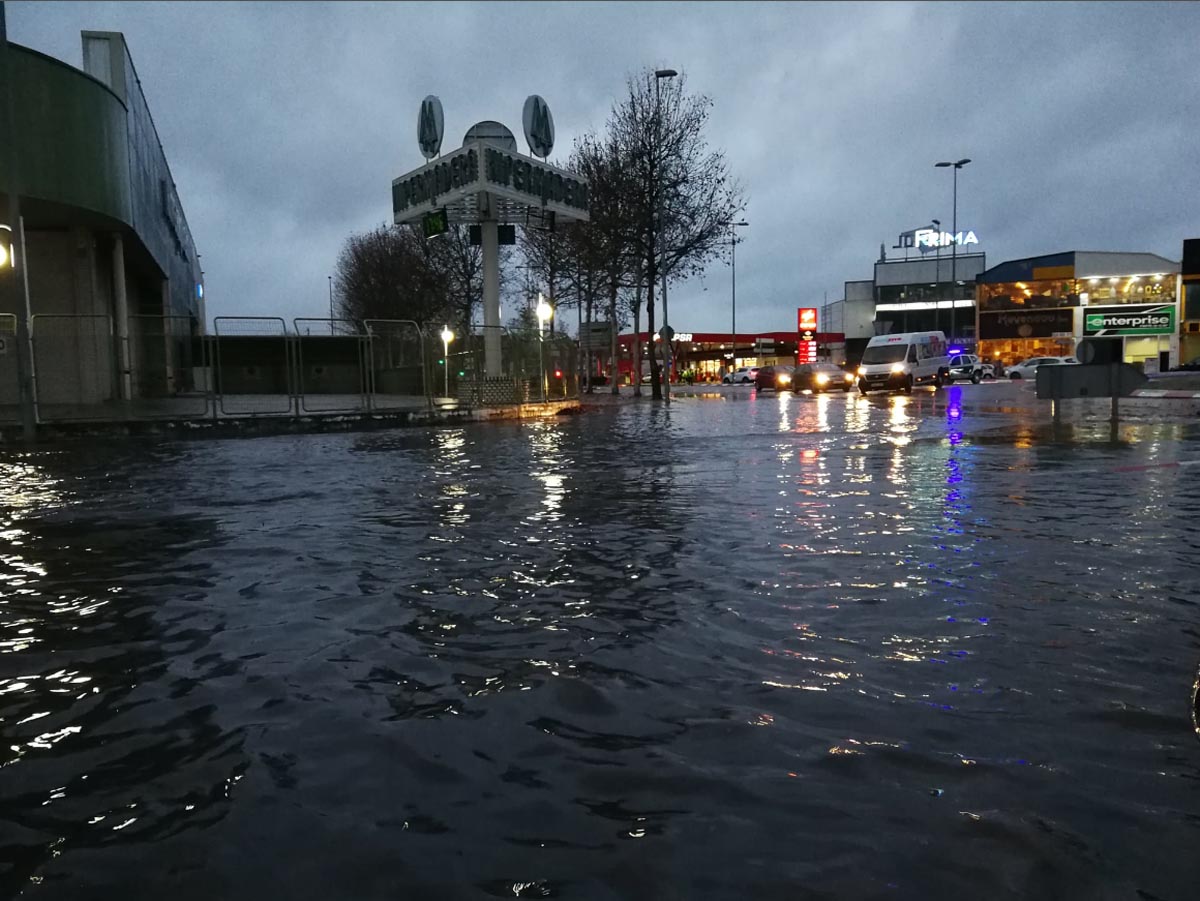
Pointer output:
x,y
1076,292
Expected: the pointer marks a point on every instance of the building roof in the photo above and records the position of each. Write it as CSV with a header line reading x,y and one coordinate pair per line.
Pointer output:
x,y
1078,264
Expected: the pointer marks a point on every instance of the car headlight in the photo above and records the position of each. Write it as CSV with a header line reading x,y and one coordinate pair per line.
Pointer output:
x,y
784,379
897,367
822,378
849,377
861,371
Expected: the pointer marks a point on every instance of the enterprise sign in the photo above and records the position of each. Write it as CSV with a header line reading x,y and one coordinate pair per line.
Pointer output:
x,y
1129,319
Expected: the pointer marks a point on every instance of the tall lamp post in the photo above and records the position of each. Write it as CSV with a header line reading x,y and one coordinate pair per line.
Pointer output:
x,y
733,226
659,75
954,244
447,337
544,313
937,310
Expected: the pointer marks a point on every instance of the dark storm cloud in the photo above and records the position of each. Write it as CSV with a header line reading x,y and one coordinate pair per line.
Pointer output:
x,y
285,123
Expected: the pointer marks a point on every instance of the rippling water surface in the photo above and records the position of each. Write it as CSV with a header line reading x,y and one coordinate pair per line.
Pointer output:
x,y
764,648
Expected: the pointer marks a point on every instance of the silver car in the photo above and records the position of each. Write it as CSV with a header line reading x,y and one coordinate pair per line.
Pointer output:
x,y
1027,369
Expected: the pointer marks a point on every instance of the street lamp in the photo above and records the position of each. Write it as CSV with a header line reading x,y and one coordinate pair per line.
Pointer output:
x,y
447,337
659,75
954,245
733,289
937,311
544,313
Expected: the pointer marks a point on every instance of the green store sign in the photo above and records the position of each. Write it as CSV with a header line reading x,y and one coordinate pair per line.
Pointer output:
x,y
1129,319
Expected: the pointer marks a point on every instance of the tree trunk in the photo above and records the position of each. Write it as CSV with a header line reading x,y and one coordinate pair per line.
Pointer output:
x,y
613,364
637,339
588,323
655,373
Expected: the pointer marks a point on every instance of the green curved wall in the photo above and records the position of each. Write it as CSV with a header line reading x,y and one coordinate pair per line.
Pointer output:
x,y
72,138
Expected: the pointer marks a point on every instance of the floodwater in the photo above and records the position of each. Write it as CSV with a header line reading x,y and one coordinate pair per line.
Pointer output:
x,y
747,647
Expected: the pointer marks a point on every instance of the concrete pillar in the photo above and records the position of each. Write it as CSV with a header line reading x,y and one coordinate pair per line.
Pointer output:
x,y
121,319
490,237
171,327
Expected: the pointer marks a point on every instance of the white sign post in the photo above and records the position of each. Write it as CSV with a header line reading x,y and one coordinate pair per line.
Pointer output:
x,y
487,182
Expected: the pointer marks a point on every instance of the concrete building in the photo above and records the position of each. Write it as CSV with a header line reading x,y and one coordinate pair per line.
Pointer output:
x,y
111,280
1189,303
1043,305
926,290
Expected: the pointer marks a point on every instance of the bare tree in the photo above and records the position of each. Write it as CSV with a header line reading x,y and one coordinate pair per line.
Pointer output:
x,y
683,194
461,263
391,273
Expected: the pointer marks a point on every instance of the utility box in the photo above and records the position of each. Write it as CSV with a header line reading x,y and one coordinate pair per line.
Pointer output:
x,y
1109,380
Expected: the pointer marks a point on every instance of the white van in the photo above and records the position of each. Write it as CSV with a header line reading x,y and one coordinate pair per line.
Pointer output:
x,y
897,362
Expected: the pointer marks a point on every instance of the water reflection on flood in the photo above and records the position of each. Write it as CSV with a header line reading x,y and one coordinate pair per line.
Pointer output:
x,y
805,643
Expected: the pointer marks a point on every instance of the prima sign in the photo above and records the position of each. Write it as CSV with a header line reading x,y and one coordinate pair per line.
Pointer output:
x,y
927,239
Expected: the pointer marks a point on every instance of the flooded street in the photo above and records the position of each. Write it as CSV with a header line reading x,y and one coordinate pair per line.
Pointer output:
x,y
740,647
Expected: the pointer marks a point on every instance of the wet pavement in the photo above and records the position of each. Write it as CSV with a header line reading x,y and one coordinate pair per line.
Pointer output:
x,y
744,647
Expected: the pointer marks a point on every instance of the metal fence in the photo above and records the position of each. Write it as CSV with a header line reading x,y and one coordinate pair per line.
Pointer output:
x,y
331,370
397,365
265,366
75,366
252,366
10,374
168,369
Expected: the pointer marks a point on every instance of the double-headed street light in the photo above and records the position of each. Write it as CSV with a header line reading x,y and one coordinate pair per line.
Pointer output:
x,y
545,313
733,226
447,337
954,243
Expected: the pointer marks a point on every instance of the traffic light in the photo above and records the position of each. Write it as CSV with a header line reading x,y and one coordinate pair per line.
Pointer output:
x,y
558,373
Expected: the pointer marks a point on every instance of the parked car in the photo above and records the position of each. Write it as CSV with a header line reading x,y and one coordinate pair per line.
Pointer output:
x,y
1192,365
741,376
968,367
818,377
1027,369
773,378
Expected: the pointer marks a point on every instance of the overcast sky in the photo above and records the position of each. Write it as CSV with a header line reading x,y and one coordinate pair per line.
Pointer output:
x,y
285,123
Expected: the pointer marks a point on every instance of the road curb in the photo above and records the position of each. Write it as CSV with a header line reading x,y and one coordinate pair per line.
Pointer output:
x,y
1166,394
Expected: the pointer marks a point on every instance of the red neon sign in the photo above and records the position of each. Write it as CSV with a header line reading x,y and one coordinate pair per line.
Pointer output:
x,y
806,324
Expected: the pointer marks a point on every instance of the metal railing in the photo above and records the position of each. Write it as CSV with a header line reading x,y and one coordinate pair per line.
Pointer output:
x,y
75,366
252,366
332,376
168,369
10,372
397,367
266,366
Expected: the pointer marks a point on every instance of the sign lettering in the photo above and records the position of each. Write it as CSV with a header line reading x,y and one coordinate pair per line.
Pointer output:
x,y
539,182
927,239
1129,319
